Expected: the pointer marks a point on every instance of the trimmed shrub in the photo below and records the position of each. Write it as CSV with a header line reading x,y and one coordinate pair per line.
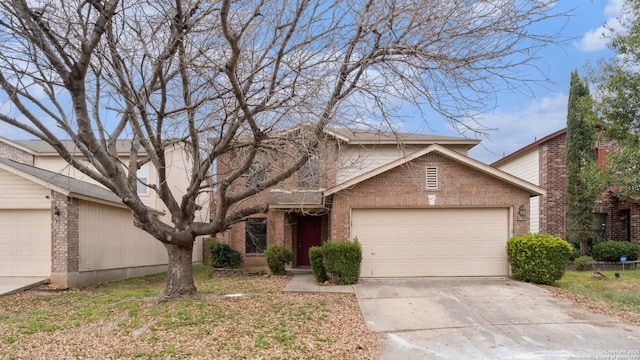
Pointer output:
x,y
342,260
583,263
317,264
538,258
277,256
612,250
224,256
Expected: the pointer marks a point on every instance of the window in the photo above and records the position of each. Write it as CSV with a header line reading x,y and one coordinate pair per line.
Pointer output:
x,y
432,178
599,225
257,171
255,235
143,178
601,157
309,174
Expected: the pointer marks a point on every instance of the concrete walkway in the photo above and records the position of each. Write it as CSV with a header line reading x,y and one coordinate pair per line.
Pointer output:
x,y
13,284
307,284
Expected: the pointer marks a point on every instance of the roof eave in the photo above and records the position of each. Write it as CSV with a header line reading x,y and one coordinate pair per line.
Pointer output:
x,y
529,147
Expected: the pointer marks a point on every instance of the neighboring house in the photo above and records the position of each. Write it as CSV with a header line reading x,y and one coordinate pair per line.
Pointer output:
x,y
56,222
544,163
417,203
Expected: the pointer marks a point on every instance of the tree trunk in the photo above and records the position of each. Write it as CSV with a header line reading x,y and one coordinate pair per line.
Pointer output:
x,y
180,271
583,247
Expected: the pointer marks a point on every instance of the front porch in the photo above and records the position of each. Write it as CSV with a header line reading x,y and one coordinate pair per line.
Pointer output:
x,y
298,220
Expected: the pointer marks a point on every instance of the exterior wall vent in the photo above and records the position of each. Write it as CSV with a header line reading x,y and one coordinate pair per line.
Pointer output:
x,y
432,178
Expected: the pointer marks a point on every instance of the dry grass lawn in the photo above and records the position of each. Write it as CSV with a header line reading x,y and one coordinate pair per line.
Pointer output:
x,y
611,296
126,320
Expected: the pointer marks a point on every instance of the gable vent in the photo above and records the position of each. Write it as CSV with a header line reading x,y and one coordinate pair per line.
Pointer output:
x,y
432,178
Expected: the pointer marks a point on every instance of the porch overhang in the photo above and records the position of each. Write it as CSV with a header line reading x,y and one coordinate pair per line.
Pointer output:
x,y
295,199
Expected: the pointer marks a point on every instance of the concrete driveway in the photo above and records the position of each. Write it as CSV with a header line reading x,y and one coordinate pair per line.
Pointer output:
x,y
484,318
13,284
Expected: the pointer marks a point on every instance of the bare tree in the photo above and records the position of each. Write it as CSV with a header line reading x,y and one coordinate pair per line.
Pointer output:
x,y
223,76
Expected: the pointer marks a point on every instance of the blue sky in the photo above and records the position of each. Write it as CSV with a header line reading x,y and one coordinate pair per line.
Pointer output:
x,y
520,119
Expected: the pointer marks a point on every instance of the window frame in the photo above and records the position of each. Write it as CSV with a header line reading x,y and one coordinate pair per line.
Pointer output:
x,y
142,178
258,224
309,173
257,171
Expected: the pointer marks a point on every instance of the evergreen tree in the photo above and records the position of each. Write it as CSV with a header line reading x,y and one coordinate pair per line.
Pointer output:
x,y
581,164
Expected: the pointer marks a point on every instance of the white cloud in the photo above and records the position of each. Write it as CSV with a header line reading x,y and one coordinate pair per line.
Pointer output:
x,y
518,128
597,39
593,40
613,7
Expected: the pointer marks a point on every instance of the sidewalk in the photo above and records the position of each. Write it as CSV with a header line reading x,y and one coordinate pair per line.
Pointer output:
x,y
307,284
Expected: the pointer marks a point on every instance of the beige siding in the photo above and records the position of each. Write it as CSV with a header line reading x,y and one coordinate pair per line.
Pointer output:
x,y
109,240
357,160
58,165
178,173
179,167
18,193
354,161
527,167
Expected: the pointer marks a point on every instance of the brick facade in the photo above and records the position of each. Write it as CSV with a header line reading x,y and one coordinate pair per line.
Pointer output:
x,y
553,178
65,249
11,152
404,187
622,219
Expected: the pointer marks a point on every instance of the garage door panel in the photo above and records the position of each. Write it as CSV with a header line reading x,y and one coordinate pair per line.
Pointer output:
x,y
25,243
432,242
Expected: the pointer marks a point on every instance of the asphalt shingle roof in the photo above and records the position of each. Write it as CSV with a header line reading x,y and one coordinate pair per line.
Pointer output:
x,y
376,136
41,147
69,184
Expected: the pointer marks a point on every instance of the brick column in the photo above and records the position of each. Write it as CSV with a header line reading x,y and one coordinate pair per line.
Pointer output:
x,y
553,178
65,250
634,218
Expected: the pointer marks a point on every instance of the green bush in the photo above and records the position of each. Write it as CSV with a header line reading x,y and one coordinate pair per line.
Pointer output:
x,y
583,263
224,256
342,260
575,253
612,250
538,258
317,264
277,256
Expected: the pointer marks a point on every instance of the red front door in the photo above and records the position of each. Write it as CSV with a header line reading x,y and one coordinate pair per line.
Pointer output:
x,y
309,228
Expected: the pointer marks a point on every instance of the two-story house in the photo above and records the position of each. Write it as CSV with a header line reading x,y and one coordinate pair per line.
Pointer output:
x,y
58,223
417,203
543,163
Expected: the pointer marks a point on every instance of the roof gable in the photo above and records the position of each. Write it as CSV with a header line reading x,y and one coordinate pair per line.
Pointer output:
x,y
465,160
529,147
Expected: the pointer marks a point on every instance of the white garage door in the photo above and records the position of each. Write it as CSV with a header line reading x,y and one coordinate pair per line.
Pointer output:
x,y
25,242
432,242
